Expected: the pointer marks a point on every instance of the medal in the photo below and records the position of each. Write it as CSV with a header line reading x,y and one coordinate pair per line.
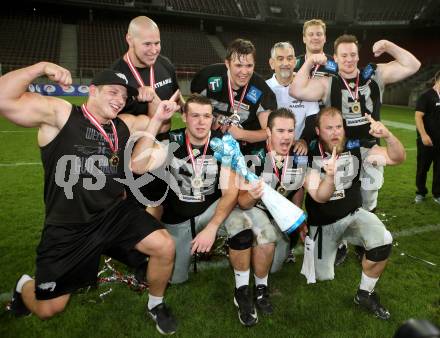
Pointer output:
x,y
356,105
235,118
136,74
281,189
114,159
196,180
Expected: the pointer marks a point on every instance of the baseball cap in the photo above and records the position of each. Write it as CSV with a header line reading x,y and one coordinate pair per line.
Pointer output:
x,y
112,77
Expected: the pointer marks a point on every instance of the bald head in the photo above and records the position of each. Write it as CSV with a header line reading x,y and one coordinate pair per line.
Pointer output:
x,y
139,24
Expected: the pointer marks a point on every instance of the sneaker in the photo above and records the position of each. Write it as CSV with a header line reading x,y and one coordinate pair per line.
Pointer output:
x,y
436,199
341,255
165,322
370,301
291,257
419,198
16,305
246,308
261,294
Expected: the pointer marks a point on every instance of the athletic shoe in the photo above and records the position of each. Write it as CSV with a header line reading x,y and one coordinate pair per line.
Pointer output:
x,y
419,198
165,322
436,199
261,294
16,305
370,302
246,308
341,255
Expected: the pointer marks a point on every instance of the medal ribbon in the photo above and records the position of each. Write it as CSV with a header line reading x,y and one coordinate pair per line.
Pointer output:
x,y
136,74
114,147
231,96
354,96
275,168
192,157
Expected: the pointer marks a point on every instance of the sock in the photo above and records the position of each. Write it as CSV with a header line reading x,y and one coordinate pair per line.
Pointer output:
x,y
261,281
368,283
241,278
23,280
154,301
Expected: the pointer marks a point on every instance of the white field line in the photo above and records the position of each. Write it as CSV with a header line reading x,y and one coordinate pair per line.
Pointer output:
x,y
18,164
400,125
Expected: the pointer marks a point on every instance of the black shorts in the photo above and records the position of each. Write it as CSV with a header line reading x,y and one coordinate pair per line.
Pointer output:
x,y
68,255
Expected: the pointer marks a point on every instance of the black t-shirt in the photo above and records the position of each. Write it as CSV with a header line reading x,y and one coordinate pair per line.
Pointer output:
x,y
292,176
183,201
212,82
370,98
79,157
164,76
429,104
347,196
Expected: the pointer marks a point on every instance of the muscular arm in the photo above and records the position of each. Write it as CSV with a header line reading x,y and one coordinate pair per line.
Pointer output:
x,y
30,109
319,190
405,64
309,89
393,154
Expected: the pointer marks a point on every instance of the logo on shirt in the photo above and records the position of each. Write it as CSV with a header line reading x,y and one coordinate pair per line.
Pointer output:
x,y
215,83
122,76
253,94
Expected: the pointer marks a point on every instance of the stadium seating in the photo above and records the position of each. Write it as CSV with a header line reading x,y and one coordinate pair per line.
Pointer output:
x,y
28,39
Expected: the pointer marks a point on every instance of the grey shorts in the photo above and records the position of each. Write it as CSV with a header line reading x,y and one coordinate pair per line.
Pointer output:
x,y
361,228
371,181
237,221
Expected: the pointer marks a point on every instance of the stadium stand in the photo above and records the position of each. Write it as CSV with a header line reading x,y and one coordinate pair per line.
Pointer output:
x,y
26,40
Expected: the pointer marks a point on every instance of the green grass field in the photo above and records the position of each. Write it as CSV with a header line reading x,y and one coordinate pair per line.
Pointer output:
x,y
203,306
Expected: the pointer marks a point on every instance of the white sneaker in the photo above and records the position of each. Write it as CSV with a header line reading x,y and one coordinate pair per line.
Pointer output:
x,y
436,200
419,198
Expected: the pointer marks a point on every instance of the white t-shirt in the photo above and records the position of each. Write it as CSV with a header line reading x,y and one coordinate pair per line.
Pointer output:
x,y
300,108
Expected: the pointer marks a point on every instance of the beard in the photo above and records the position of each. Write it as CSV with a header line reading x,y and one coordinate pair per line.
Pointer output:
x,y
285,73
339,147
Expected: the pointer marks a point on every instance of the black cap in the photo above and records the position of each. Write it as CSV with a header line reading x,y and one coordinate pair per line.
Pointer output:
x,y
112,77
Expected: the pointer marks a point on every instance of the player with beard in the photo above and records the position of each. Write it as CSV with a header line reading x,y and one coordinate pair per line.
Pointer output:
x,y
286,172
343,217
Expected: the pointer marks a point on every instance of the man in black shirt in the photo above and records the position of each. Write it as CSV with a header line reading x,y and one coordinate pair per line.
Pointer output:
x,y
286,171
343,217
236,91
428,141
87,215
202,202
155,78
356,92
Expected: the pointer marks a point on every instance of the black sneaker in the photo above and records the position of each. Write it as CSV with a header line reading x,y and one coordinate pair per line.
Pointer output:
x,y
261,294
16,305
370,301
341,255
165,321
246,309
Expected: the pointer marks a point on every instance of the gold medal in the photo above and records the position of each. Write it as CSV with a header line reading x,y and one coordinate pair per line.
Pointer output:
x,y
114,160
197,182
281,189
356,107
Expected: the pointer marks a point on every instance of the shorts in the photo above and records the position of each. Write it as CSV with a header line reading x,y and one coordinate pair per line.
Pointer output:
x,y
68,256
237,221
371,181
360,228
